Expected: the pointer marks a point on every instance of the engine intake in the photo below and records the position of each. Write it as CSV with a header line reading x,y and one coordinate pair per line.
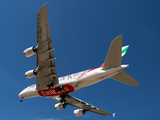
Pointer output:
x,y
79,112
60,106
30,51
31,73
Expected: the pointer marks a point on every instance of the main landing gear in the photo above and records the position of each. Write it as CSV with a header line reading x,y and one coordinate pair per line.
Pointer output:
x,y
50,85
63,96
60,88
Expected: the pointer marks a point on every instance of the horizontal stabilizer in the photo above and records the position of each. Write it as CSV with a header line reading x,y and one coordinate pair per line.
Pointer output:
x,y
125,78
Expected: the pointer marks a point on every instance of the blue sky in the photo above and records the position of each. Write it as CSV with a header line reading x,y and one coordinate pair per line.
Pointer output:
x,y
82,31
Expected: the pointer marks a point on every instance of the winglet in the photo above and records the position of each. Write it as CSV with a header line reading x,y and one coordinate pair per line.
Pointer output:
x,y
114,114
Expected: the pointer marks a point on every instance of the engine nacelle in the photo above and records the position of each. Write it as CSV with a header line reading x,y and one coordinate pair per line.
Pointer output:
x,y
30,51
59,106
79,112
31,73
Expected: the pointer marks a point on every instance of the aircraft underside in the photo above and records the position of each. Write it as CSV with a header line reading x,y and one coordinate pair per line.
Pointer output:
x,y
49,85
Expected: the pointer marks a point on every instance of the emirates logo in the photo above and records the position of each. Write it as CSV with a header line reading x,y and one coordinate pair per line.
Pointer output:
x,y
52,92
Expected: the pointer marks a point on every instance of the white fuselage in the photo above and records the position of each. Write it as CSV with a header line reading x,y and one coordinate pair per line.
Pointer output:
x,y
72,82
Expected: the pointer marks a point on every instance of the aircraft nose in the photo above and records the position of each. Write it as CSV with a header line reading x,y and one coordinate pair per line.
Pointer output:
x,y
21,94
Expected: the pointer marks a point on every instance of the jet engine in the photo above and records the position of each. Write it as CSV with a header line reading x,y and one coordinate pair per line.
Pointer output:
x,y
79,112
31,73
60,106
30,51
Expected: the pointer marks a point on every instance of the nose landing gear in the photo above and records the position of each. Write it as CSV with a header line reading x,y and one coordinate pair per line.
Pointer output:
x,y
21,99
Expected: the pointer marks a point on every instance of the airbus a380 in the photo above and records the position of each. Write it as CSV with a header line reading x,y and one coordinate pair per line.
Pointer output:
x,y
49,85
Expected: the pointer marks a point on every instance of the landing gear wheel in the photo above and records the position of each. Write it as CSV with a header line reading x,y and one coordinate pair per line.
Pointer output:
x,y
21,99
62,98
65,95
48,86
60,88
51,84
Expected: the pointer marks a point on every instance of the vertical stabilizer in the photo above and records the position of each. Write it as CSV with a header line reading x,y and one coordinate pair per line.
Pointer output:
x,y
113,58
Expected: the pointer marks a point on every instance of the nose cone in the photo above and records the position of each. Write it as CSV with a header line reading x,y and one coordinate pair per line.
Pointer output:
x,y
22,94
28,92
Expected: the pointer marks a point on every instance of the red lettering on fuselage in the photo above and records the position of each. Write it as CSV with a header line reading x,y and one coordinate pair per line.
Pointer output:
x,y
51,92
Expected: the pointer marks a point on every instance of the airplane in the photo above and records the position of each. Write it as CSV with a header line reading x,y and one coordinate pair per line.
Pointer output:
x,y
49,85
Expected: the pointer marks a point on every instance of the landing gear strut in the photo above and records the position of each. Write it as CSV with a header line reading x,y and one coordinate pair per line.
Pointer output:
x,y
21,99
50,85
63,96
60,88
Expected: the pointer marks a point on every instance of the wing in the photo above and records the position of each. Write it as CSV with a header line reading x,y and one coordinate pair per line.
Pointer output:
x,y
45,59
83,105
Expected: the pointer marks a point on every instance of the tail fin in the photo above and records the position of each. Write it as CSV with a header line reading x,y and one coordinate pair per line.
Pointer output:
x,y
125,78
124,50
113,58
